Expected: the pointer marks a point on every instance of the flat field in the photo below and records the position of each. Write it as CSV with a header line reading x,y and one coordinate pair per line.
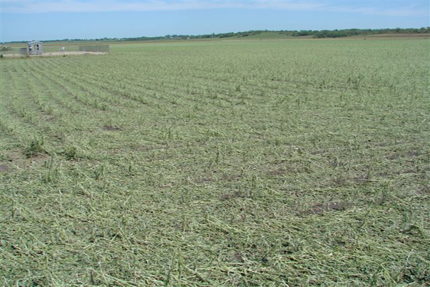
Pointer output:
x,y
218,163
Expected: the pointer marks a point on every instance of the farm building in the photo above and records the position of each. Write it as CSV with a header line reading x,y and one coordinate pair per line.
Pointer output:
x,y
35,48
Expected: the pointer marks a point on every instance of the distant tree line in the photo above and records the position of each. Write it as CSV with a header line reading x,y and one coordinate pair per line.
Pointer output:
x,y
356,32
292,33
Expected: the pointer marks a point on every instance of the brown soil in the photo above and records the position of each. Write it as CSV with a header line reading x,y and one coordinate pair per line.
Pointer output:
x,y
111,128
19,160
230,196
4,168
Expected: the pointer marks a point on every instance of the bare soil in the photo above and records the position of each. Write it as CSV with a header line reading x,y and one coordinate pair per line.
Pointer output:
x,y
4,168
111,128
16,159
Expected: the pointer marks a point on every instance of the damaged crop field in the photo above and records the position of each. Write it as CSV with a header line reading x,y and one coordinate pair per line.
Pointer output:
x,y
218,163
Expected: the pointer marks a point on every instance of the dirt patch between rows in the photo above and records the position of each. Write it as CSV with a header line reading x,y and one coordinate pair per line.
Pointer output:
x,y
17,160
4,168
111,128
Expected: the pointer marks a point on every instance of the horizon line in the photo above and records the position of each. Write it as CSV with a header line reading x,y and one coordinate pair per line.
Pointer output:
x,y
197,35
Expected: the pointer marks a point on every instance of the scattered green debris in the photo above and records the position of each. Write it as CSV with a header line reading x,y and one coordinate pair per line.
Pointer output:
x,y
218,163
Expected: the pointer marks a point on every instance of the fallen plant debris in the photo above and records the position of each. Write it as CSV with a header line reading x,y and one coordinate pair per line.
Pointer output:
x,y
218,163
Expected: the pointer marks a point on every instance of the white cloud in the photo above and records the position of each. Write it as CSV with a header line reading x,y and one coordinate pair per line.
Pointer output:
x,y
27,6
51,6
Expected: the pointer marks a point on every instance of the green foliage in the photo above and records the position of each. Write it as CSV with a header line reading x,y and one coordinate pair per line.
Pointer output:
x,y
259,34
71,153
356,32
275,34
35,146
304,33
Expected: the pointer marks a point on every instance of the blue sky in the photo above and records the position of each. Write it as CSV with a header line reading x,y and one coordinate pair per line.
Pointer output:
x,y
60,19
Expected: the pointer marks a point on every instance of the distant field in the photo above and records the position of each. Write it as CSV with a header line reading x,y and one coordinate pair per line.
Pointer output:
x,y
218,163
422,36
54,46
